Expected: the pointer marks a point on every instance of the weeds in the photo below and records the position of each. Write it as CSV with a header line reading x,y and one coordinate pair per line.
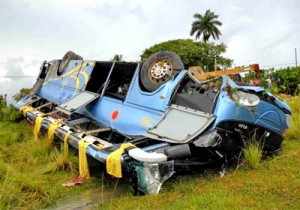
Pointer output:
x,y
31,172
62,162
252,154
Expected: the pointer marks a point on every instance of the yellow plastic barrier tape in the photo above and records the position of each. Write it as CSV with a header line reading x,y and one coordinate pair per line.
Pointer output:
x,y
113,161
37,127
83,164
51,129
66,144
24,109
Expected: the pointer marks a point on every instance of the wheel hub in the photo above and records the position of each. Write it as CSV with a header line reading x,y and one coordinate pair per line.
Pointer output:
x,y
160,70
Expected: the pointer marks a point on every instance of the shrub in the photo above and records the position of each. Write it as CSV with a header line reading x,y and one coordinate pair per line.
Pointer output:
x,y
10,114
289,80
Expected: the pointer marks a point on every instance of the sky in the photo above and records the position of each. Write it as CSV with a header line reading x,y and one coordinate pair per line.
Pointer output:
x,y
31,31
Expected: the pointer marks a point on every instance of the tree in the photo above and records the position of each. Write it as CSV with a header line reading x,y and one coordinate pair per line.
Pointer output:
x,y
193,53
2,101
118,57
23,92
206,25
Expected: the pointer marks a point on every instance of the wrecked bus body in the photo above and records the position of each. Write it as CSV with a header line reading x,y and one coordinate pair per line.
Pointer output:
x,y
143,119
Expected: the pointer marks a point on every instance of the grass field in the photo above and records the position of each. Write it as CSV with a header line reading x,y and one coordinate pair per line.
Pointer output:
x,y
32,173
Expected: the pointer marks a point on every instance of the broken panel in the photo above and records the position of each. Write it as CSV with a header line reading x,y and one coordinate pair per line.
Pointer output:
x,y
180,125
77,102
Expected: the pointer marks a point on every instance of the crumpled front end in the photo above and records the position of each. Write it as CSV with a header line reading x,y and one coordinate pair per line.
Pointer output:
x,y
246,113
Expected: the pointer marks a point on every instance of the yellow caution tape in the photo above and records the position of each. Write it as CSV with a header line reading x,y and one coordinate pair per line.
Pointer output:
x,y
37,126
83,164
26,108
113,161
66,144
51,129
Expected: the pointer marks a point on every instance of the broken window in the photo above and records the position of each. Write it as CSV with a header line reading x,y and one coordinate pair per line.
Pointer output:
x,y
118,82
198,96
120,79
98,77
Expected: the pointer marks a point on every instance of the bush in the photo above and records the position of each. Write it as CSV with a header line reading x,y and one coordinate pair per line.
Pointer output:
x,y
10,114
287,80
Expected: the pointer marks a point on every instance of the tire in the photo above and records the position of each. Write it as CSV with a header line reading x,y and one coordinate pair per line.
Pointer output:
x,y
52,71
66,59
237,78
159,68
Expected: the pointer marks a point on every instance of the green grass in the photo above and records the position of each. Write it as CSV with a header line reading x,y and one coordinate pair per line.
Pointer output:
x,y
252,154
32,173
274,184
294,131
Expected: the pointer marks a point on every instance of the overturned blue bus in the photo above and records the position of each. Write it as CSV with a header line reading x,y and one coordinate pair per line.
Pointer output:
x,y
143,120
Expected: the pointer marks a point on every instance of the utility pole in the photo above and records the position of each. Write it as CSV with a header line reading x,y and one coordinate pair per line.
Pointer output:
x,y
215,62
5,99
296,56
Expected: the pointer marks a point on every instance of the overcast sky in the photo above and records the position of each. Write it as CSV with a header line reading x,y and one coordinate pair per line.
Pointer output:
x,y
31,31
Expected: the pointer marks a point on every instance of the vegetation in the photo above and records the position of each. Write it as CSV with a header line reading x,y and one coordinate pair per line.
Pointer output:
x,y
23,92
32,172
294,131
2,101
287,80
273,185
193,53
204,54
8,113
284,81
117,57
252,154
206,25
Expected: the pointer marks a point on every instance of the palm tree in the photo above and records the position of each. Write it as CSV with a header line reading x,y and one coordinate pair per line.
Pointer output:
x,y
206,25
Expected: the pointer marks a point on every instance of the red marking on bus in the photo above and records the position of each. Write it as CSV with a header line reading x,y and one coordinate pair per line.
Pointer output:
x,y
115,115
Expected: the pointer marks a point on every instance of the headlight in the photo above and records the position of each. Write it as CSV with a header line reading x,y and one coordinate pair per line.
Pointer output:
x,y
288,120
245,99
